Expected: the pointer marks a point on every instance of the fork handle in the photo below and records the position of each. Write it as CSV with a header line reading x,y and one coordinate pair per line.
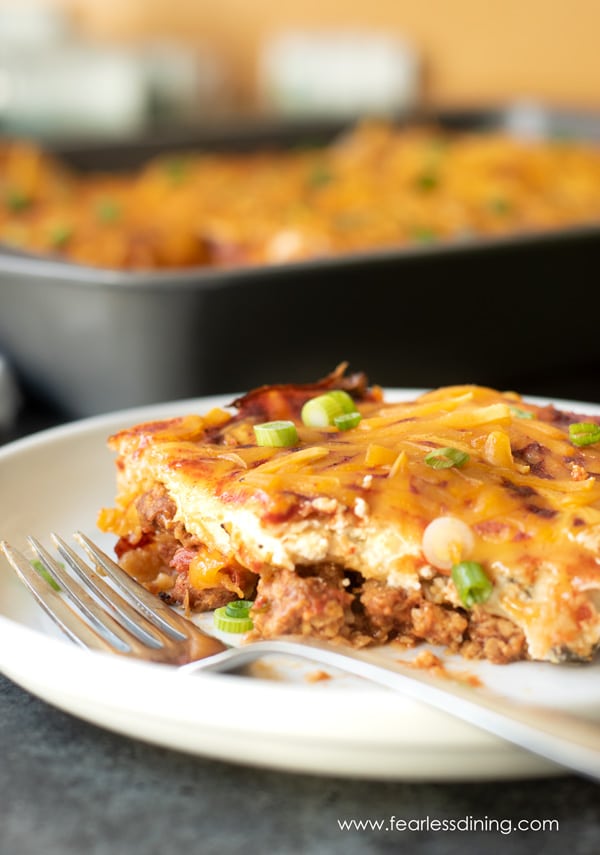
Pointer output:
x,y
562,737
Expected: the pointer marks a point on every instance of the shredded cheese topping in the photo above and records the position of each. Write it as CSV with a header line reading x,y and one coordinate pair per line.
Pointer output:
x,y
527,499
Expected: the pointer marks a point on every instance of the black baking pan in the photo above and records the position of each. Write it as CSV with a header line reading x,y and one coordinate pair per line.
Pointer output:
x,y
503,312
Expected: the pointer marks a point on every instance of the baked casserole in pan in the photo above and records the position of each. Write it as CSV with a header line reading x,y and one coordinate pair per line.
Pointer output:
x,y
449,253
377,186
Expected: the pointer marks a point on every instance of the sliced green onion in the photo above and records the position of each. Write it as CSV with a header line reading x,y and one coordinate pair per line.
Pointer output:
x,y
239,608
347,420
37,565
518,413
584,433
60,234
499,205
16,200
176,168
279,434
472,583
108,211
322,410
320,175
424,235
446,458
226,623
427,180
345,400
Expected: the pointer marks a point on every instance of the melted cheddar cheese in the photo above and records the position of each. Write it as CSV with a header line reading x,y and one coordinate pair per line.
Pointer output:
x,y
363,498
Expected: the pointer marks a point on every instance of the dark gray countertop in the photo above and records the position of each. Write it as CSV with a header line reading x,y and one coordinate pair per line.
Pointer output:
x,y
71,788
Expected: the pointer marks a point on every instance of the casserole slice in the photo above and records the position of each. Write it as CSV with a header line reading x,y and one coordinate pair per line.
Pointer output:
x,y
466,517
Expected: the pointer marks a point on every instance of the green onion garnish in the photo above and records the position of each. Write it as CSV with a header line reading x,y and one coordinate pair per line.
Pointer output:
x,y
424,235
446,458
320,175
37,565
320,411
347,420
227,623
278,434
108,211
345,400
17,200
60,234
323,410
500,205
239,608
584,433
176,168
427,181
472,583
518,413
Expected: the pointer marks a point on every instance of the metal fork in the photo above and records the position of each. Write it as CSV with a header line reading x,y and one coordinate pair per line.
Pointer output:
x,y
132,622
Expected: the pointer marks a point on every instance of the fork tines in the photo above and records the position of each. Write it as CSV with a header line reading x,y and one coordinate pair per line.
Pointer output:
x,y
129,621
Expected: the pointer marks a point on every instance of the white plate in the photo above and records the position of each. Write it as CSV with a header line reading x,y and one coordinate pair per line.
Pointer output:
x,y
58,480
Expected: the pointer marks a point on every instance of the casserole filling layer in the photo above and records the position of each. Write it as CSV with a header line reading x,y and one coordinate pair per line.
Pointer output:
x,y
320,600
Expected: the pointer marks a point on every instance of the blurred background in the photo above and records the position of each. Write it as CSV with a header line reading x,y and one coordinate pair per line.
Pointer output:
x,y
120,65
121,73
